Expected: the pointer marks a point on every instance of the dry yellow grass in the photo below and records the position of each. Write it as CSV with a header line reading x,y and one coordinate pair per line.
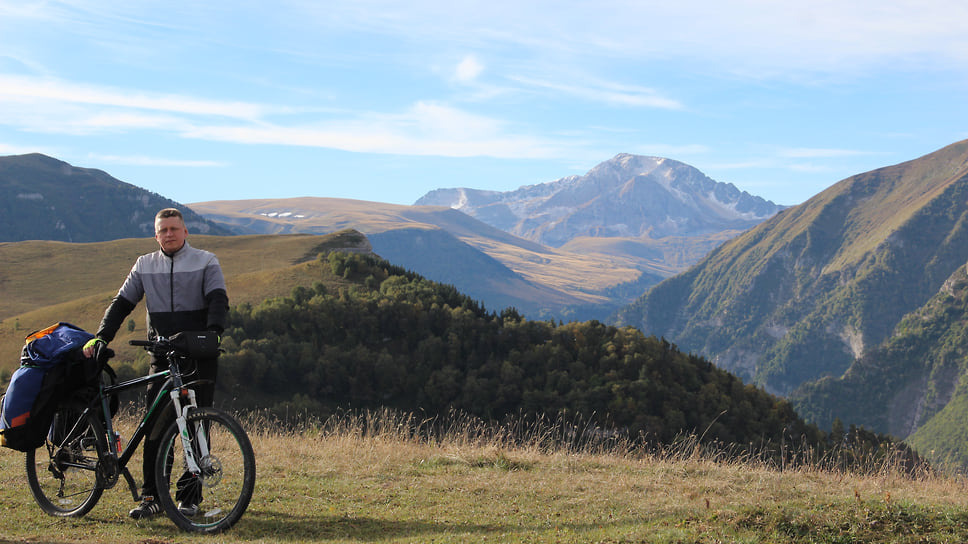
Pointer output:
x,y
381,477
46,282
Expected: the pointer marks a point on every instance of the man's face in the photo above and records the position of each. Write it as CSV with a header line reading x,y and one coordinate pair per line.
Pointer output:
x,y
170,233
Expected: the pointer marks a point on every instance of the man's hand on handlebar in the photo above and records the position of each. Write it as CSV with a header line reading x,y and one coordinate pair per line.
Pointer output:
x,y
97,349
93,346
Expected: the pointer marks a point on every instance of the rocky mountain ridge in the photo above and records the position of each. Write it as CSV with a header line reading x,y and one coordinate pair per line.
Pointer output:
x,y
628,222
628,196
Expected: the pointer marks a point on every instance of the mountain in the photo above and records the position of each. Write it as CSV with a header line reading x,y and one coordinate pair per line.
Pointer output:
x,y
806,293
42,198
636,199
448,246
911,385
577,248
598,270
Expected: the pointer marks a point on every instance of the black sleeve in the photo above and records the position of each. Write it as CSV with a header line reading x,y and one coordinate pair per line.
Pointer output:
x,y
218,310
119,309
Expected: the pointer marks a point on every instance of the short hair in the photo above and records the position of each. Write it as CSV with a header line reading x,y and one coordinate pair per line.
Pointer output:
x,y
169,212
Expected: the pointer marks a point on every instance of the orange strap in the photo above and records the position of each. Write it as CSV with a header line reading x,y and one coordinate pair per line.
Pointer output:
x,y
41,333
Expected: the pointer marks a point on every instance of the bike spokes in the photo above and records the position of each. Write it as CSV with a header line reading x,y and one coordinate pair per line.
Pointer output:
x,y
215,496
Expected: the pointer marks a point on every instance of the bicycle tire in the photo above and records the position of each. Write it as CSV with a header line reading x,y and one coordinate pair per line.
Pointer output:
x,y
63,478
226,483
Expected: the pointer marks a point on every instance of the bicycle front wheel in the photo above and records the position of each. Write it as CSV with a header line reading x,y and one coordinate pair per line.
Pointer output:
x,y
213,499
63,473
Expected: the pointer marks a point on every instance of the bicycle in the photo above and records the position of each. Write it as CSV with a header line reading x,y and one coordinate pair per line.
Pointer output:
x,y
205,450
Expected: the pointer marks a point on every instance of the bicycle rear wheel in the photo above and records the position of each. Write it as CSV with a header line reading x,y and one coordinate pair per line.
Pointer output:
x,y
222,490
63,473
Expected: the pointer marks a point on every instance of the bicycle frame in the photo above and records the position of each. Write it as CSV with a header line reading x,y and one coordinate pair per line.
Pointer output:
x,y
173,388
201,489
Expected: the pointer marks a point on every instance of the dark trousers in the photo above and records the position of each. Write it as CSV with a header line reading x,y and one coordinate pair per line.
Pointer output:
x,y
206,369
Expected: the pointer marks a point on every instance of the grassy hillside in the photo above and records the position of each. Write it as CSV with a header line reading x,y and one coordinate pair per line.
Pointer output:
x,y
386,478
803,294
663,257
448,246
45,282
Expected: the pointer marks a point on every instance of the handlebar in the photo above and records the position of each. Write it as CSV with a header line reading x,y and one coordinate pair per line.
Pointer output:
x,y
160,346
191,344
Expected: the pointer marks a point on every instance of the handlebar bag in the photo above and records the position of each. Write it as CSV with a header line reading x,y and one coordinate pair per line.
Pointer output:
x,y
196,344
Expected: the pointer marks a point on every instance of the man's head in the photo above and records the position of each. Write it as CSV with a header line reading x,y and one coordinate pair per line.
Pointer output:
x,y
170,230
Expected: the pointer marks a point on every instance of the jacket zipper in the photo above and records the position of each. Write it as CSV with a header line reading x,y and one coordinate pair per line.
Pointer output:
x,y
171,284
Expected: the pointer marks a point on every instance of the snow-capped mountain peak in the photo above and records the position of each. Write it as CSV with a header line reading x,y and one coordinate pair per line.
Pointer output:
x,y
628,195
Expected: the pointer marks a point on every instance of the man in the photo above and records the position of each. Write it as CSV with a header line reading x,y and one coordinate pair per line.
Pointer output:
x,y
184,290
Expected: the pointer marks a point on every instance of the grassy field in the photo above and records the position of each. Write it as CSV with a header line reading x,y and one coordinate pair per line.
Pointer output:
x,y
386,477
44,282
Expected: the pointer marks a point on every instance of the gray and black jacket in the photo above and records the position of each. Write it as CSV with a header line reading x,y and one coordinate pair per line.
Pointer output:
x,y
184,291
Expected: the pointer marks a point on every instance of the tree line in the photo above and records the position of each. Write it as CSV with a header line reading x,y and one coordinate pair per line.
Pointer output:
x,y
391,338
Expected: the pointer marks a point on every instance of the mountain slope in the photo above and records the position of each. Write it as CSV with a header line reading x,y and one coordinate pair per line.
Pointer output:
x,y
42,198
911,386
629,196
944,438
804,293
901,384
448,246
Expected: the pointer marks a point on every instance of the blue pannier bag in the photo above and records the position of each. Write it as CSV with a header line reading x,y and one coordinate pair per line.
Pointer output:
x,y
42,381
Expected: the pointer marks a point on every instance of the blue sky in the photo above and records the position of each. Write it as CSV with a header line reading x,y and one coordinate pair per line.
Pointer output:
x,y
384,101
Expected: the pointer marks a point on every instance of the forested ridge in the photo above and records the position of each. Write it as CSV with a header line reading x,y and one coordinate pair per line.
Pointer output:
x,y
386,337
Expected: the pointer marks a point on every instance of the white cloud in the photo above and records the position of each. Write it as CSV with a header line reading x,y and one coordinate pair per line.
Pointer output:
x,y
615,94
468,69
38,91
424,129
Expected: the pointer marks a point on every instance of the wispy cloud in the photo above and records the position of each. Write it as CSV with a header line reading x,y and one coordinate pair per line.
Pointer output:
x,y
32,90
615,94
426,128
751,36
